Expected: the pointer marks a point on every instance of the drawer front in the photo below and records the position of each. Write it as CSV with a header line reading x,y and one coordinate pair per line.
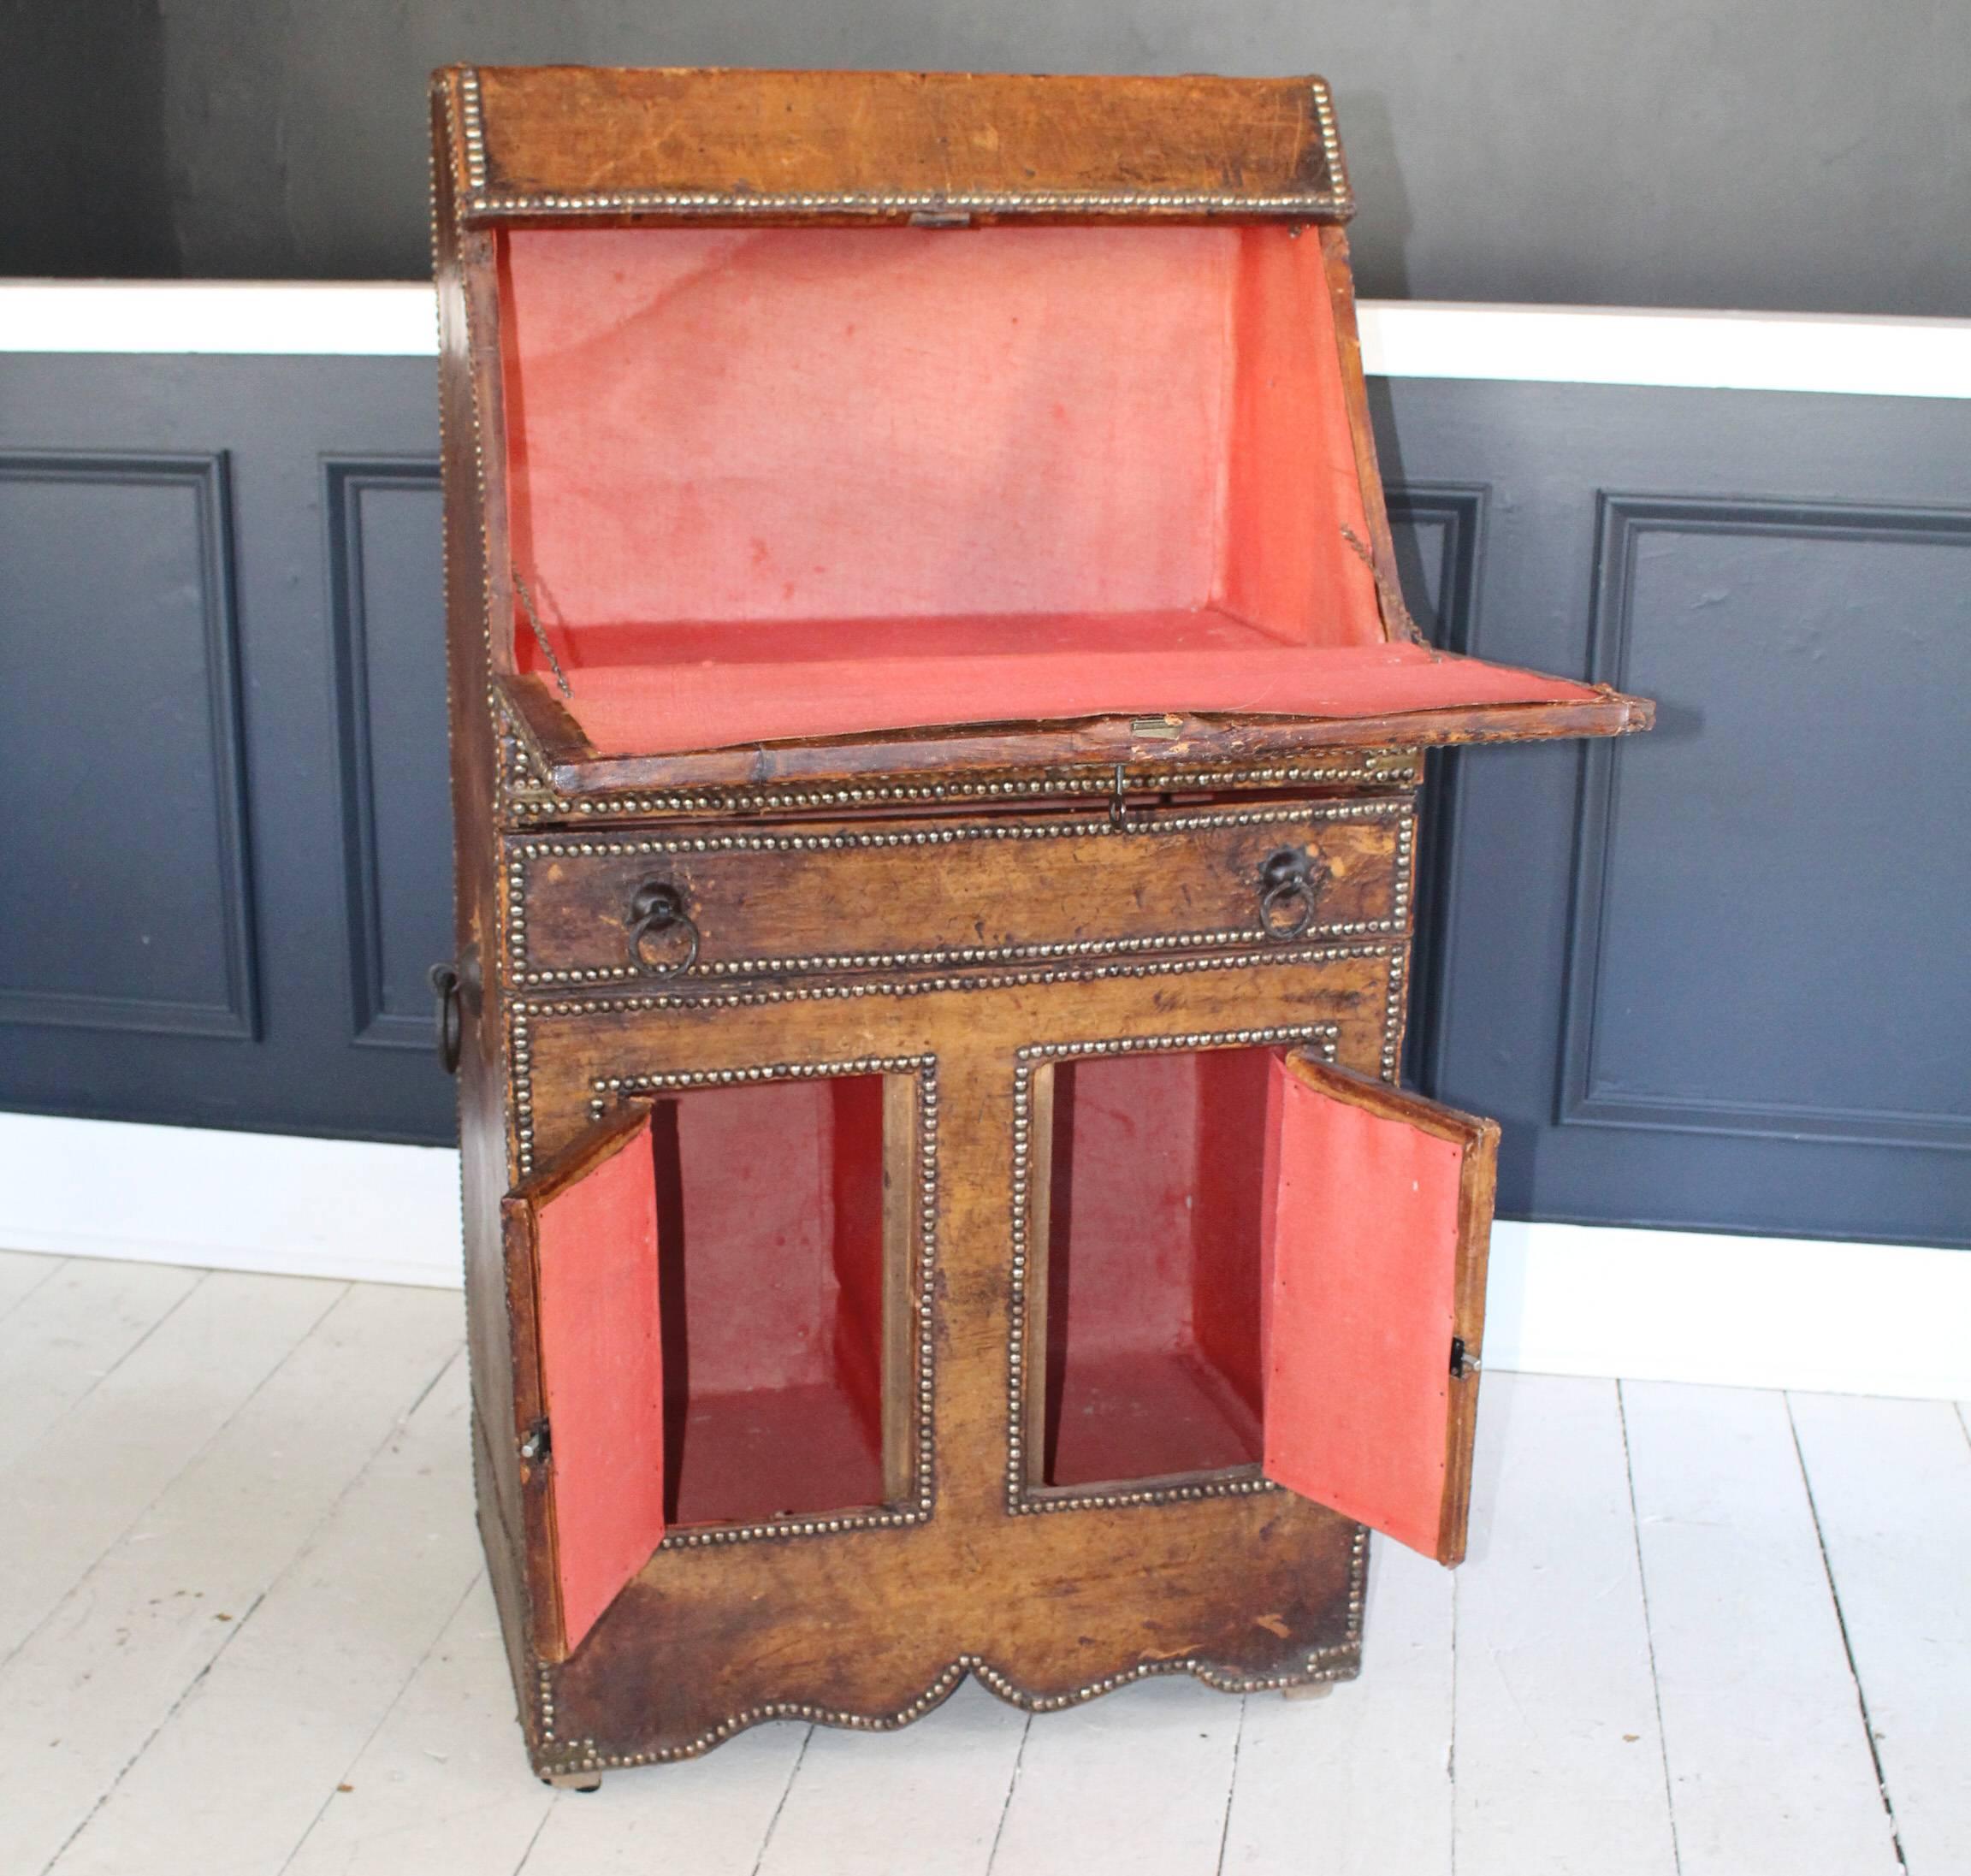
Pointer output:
x,y
825,899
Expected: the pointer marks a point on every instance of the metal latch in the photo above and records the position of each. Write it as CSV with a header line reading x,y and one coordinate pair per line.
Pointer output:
x,y
1461,1363
535,1445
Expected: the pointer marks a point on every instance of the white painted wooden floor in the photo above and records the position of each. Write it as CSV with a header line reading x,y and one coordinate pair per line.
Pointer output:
x,y
245,1628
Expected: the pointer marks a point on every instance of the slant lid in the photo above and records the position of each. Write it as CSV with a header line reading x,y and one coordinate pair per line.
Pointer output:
x,y
569,142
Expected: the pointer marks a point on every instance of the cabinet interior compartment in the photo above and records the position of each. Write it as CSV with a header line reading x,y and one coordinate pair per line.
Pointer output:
x,y
1145,1305
764,484
776,1289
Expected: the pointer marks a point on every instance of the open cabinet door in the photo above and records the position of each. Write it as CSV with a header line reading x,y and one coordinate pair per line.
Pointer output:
x,y
588,1374
1378,1212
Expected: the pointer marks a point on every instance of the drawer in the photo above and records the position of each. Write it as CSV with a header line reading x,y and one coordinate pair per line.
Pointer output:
x,y
827,898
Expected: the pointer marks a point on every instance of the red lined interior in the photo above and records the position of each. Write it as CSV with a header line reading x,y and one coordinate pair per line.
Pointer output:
x,y
1152,1357
770,1199
1362,1239
904,478
603,1378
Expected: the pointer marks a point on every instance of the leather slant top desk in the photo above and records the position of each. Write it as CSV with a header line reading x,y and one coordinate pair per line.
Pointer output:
x,y
936,739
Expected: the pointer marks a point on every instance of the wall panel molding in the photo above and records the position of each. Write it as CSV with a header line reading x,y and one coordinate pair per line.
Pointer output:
x,y
204,477
1587,1096
346,482
1441,591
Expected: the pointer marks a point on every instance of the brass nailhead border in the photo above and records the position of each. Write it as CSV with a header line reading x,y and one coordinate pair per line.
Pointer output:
x,y
539,803
1339,1662
525,847
1020,1498
522,1011
1335,200
530,796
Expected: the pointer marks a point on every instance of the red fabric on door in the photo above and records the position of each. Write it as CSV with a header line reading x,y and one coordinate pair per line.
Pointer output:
x,y
602,1377
1362,1238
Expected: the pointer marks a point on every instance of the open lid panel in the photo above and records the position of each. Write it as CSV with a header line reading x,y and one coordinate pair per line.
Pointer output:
x,y
1377,1218
826,406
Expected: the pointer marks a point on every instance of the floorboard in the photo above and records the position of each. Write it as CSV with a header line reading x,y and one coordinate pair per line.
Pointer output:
x,y
70,1332
1558,1764
383,1575
1136,1783
247,1633
22,1272
442,1784
1891,1487
925,1801
76,1490
1769,1762
713,1815
94,1683
1364,1773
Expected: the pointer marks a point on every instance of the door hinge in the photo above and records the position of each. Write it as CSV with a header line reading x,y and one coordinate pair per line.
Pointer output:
x,y
536,1445
1461,1363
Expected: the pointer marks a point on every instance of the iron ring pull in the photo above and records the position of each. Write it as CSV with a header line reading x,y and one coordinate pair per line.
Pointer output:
x,y
1289,884
449,1033
654,909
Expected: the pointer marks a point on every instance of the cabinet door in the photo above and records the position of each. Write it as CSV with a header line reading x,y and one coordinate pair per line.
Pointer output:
x,y
1378,1212
588,1374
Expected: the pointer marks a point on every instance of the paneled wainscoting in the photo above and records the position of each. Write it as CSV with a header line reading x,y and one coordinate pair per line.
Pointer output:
x,y
1708,979
1704,1632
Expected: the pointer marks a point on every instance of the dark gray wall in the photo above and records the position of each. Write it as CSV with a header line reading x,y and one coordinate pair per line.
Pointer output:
x,y
84,181
1710,977
1805,154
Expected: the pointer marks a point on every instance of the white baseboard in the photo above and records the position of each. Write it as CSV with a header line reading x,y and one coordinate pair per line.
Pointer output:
x,y
1740,1312
1565,1300
227,1201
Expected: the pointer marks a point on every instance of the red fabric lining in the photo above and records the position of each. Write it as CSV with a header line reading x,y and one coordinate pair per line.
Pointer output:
x,y
661,709
857,1241
907,479
1225,1278
603,1378
771,1201
1151,1357
1363,1246
795,423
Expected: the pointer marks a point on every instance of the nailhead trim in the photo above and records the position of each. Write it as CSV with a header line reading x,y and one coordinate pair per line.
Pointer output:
x,y
527,848
1331,150
1022,1498
782,967
1328,205
1335,201
1393,1016
1341,1661
1394,807
474,132
523,1010
540,803
531,795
